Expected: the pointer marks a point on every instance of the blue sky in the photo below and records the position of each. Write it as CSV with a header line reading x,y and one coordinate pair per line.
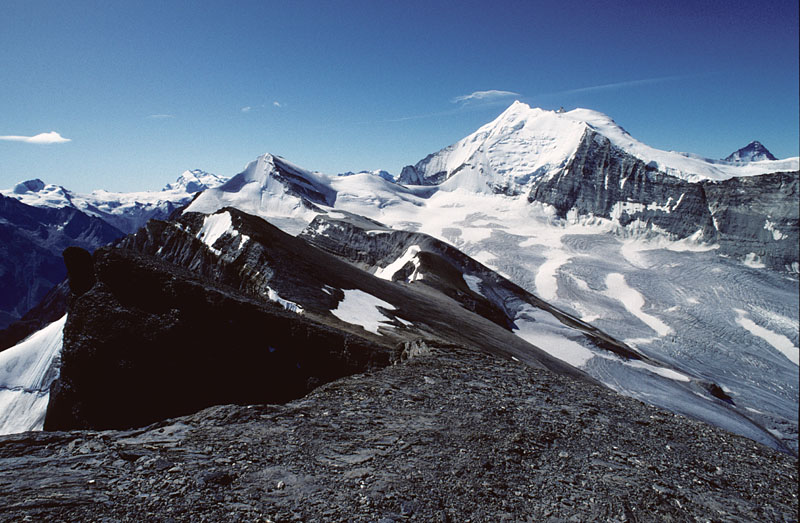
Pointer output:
x,y
144,90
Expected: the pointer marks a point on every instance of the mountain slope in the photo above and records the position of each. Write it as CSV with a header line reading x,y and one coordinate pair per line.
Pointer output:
x,y
422,261
448,435
201,283
180,305
38,220
678,296
31,241
524,144
272,188
125,211
752,152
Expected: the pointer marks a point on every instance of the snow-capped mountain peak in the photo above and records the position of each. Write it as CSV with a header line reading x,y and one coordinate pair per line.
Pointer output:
x,y
125,211
521,144
270,187
386,175
752,152
34,185
194,181
40,194
524,144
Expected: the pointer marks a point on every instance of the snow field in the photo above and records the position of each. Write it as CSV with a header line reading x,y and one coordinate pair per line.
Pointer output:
x,y
26,372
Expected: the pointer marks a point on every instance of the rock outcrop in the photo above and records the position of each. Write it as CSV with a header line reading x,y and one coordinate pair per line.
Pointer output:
x,y
149,341
755,217
450,435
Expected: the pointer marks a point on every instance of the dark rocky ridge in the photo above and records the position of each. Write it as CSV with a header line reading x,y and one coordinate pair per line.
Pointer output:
x,y
148,341
194,323
450,435
316,280
156,301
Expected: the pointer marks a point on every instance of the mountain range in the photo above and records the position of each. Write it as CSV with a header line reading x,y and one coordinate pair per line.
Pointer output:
x,y
38,221
554,239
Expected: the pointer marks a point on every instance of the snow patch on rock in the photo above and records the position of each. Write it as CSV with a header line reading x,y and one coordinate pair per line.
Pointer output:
x,y
361,308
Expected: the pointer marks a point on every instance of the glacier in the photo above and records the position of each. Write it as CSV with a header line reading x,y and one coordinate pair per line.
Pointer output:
x,y
675,299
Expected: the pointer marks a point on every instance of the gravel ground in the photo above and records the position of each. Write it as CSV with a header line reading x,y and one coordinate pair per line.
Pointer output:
x,y
448,435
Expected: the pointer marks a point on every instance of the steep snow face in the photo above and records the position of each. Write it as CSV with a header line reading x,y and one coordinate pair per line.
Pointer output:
x,y
26,372
272,188
519,146
524,143
125,211
410,256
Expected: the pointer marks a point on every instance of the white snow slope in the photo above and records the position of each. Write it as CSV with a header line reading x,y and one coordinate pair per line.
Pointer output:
x,y
524,143
26,372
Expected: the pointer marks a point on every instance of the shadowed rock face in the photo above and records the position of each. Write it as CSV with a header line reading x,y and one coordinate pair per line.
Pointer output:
x,y
758,215
148,341
317,280
741,214
603,180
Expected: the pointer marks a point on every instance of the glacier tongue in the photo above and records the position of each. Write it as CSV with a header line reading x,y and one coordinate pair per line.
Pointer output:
x,y
26,372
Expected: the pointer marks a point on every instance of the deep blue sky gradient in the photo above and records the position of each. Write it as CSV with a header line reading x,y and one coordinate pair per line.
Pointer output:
x,y
368,85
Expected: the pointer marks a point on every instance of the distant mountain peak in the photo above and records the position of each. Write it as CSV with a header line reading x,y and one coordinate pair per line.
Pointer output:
x,y
752,152
195,180
34,185
386,175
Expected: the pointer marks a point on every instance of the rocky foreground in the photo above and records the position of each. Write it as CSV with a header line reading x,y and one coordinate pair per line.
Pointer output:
x,y
448,435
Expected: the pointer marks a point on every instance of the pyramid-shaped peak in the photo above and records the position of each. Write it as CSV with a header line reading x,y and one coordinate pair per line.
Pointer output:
x,y
752,152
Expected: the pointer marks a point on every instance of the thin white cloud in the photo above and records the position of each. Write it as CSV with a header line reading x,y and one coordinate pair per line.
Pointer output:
x,y
628,83
277,104
160,116
246,109
41,138
483,96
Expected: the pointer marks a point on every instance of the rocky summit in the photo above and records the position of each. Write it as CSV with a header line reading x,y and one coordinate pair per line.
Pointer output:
x,y
448,434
